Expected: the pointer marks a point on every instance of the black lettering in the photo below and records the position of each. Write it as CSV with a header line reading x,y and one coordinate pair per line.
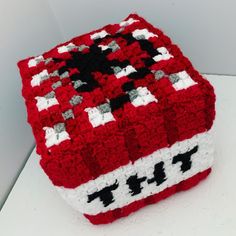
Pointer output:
x,y
185,158
159,174
135,184
105,195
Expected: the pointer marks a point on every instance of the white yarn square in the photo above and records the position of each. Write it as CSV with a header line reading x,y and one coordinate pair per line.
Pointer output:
x,y
36,79
125,71
144,97
65,48
184,82
96,117
34,61
44,103
143,33
53,138
165,55
100,34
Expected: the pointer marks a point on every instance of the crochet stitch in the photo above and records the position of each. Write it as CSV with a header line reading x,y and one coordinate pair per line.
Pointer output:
x,y
120,117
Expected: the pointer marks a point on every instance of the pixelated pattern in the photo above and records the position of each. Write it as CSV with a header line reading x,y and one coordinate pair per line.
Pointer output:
x,y
146,176
109,98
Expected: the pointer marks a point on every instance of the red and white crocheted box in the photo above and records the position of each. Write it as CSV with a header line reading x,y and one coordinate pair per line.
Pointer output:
x,y
120,117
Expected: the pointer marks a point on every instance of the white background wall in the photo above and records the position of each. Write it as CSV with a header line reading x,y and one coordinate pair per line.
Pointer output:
x,y
204,29
26,28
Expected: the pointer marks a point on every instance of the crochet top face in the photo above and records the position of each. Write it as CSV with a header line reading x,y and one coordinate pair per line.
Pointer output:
x,y
109,97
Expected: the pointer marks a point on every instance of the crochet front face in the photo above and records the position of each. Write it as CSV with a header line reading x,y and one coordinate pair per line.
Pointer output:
x,y
119,116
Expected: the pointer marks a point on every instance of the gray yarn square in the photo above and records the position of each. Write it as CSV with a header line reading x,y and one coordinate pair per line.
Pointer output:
x,y
174,78
56,85
68,114
50,95
78,83
159,74
64,75
76,99
60,127
104,108
133,94
116,69
140,37
54,73
82,47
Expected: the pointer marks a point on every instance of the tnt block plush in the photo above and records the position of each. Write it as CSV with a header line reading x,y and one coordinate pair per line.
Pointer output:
x,y
120,117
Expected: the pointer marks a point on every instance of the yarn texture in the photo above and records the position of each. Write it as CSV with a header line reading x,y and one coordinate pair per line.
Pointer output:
x,y
121,118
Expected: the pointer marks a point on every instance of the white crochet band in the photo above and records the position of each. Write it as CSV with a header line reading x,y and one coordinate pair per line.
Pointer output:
x,y
144,168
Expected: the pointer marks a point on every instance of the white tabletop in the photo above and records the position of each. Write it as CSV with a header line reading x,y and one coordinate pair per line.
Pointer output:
x,y
34,208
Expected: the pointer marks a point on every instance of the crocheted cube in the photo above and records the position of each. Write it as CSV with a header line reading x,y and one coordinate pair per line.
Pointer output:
x,y
120,117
